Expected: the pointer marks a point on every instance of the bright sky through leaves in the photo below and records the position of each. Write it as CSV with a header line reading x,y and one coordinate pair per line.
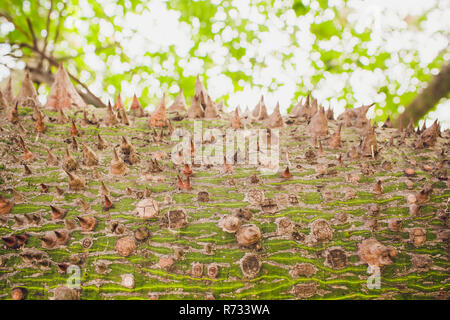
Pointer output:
x,y
346,52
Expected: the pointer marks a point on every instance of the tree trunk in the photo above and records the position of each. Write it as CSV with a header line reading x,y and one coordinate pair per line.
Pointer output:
x,y
437,88
321,223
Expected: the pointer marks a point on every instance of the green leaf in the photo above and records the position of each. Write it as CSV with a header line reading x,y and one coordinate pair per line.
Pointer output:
x,y
299,8
323,4
325,30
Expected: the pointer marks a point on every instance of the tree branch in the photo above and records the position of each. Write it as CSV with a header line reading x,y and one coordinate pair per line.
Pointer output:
x,y
7,17
58,27
437,88
93,98
33,35
47,28
97,50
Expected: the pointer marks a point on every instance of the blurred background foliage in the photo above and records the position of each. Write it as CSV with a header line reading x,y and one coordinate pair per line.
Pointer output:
x,y
345,52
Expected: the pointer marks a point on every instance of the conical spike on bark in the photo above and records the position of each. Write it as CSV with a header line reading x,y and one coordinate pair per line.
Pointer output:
x,y
124,118
27,95
233,112
200,91
104,189
275,120
93,119
410,127
257,109
330,114
302,110
13,113
101,144
210,110
356,116
3,103
246,113
179,182
5,205
314,108
10,242
387,123
111,117
296,109
22,143
117,166
368,145
89,156
48,240
107,203
308,100
74,132
59,191
159,119
136,107
28,156
76,183
74,144
22,239
19,221
118,104
85,120
62,118
147,193
63,94
153,166
8,93
84,205
57,213
69,162
319,124
335,139
17,197
87,223
195,111
62,236
179,104
286,173
187,184
428,137
116,156
378,188
262,111
29,218
40,125
236,120
128,151
44,188
52,160
424,126
187,170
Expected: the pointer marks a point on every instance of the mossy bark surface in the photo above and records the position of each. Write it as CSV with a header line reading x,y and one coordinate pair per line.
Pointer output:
x,y
326,196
